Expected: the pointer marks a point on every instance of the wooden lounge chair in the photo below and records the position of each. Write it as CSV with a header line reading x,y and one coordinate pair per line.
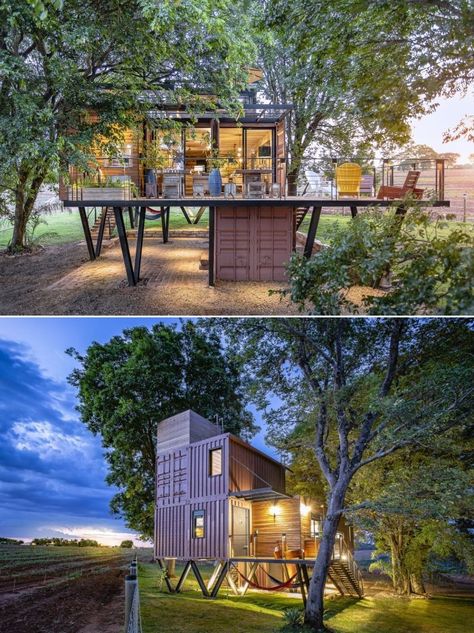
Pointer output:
x,y
367,184
409,187
348,177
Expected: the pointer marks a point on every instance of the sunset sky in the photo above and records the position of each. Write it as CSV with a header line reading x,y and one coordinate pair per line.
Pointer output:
x,y
51,467
429,130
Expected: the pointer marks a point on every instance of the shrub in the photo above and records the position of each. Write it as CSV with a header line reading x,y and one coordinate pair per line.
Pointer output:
x,y
126,544
293,618
431,270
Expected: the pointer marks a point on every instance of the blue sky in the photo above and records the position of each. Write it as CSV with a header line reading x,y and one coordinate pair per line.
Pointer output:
x,y
51,467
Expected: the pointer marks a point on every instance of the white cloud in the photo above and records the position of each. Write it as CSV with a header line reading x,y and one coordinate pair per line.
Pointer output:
x,y
42,438
105,536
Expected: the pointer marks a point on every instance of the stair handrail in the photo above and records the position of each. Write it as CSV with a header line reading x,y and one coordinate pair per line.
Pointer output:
x,y
352,564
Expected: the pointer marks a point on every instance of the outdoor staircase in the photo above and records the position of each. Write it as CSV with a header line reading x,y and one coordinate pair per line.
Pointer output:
x,y
346,577
300,216
109,224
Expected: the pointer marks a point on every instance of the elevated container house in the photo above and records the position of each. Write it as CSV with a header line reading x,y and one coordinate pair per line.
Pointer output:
x,y
220,499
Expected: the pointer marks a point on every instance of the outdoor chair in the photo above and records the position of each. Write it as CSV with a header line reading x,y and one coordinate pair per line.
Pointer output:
x,y
367,185
316,184
171,186
409,187
201,182
348,177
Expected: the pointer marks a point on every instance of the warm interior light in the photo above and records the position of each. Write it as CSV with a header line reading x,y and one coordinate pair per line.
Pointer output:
x,y
274,511
304,509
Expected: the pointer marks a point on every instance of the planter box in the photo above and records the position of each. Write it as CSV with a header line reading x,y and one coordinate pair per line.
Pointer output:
x,y
100,193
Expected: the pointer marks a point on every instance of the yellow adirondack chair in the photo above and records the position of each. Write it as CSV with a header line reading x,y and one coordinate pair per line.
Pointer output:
x,y
348,178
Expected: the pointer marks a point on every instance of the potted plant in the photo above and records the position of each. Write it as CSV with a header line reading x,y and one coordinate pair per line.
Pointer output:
x,y
215,162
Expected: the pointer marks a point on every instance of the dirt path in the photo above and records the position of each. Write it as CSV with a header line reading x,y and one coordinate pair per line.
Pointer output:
x,y
61,280
92,604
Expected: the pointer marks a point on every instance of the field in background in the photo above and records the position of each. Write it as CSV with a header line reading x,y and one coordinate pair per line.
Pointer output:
x,y
62,589
457,183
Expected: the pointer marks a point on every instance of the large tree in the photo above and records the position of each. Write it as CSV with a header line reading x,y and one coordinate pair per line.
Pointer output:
x,y
128,385
61,59
356,72
415,504
354,391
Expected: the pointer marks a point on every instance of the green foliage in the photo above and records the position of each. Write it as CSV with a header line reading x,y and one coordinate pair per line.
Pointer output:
x,y
10,541
335,62
60,61
126,544
294,620
431,271
128,385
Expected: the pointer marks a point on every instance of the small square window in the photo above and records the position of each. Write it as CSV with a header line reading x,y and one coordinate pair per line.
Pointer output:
x,y
198,523
215,462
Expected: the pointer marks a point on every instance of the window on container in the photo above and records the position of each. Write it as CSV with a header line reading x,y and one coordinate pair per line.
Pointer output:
x,y
198,523
316,526
215,462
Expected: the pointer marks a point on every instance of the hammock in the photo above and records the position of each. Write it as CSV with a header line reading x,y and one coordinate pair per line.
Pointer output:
x,y
277,580
153,214
283,585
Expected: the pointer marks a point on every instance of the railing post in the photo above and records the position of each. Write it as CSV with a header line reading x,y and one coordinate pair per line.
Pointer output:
x,y
131,585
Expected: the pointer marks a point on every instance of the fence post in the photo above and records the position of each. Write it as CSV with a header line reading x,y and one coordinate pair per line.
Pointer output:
x,y
131,586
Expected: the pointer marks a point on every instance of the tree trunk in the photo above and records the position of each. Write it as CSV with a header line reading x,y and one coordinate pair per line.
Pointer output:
x,y
417,584
315,603
25,198
292,183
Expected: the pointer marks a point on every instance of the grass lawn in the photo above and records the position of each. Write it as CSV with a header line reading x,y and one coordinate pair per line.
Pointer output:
x,y
64,227
262,612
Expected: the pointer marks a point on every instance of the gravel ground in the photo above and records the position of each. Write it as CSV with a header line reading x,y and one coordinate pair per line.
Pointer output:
x,y
60,280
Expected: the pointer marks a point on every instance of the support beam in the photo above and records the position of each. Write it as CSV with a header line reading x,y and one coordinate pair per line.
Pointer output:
x,y
130,215
127,260
199,578
231,583
165,223
182,578
139,243
313,227
353,211
87,233
214,575
219,580
301,584
199,215
212,216
189,217
252,572
162,566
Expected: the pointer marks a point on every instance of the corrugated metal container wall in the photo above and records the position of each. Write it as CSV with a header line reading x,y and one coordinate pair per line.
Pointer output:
x,y
184,484
253,243
250,470
173,538
200,484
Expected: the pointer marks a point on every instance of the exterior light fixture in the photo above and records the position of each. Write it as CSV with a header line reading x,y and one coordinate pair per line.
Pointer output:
x,y
274,511
304,509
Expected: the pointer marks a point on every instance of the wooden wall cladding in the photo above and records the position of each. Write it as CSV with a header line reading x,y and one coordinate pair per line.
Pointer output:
x,y
270,529
249,469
